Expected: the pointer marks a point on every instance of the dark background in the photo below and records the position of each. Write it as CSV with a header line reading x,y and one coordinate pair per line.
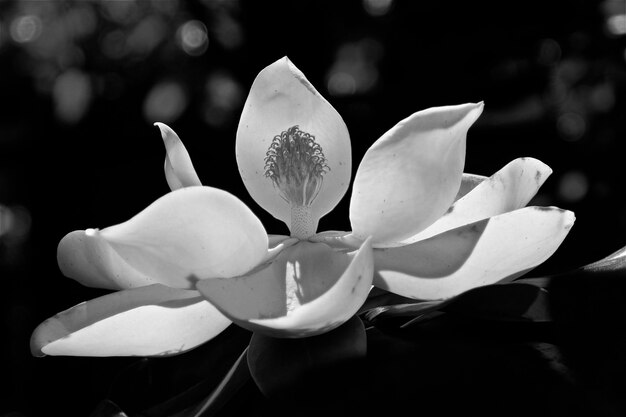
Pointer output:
x,y
82,82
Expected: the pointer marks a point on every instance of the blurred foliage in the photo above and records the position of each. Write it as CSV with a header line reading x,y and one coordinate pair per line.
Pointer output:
x,y
81,83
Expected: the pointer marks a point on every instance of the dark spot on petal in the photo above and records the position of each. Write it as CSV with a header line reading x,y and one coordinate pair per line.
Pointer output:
x,y
538,176
450,210
308,85
357,280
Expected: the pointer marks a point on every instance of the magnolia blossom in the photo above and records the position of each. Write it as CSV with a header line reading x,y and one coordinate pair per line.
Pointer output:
x,y
198,259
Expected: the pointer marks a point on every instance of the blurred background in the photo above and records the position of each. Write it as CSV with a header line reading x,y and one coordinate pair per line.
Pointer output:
x,y
81,83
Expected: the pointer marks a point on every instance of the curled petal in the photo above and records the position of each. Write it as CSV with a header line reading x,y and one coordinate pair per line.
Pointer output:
x,y
190,232
410,176
499,248
309,289
281,97
179,171
149,321
509,189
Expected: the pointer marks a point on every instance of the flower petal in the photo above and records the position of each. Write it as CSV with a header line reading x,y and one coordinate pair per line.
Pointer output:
x,y
281,97
149,321
508,189
309,289
179,171
468,183
188,233
275,240
410,176
499,248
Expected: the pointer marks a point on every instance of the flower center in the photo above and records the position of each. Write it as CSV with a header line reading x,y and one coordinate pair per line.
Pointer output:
x,y
296,165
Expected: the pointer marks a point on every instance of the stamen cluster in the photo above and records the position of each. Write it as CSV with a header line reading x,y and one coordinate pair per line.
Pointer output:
x,y
296,164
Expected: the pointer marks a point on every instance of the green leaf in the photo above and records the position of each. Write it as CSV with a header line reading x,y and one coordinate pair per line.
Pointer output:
x,y
164,387
505,302
236,377
404,310
307,368
515,302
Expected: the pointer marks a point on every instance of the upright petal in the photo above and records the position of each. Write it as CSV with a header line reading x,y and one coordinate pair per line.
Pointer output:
x,y
499,248
309,289
149,321
280,98
410,176
179,171
188,233
508,189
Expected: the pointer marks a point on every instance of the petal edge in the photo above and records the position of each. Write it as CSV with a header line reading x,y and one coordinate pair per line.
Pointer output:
x,y
282,97
147,321
485,252
188,233
511,188
179,171
257,301
410,176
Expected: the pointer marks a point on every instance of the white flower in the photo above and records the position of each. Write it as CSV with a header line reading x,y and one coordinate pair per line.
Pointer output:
x,y
198,258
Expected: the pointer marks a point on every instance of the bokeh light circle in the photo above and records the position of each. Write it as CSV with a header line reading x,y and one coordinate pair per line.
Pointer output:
x,y
193,37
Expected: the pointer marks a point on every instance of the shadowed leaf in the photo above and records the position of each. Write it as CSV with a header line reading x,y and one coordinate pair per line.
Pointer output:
x,y
293,369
